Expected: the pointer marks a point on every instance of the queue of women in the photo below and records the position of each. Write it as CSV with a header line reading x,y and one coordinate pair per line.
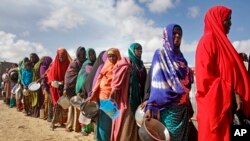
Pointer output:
x,y
222,82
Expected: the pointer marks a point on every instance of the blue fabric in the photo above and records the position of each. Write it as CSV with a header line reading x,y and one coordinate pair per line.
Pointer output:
x,y
27,76
169,67
104,125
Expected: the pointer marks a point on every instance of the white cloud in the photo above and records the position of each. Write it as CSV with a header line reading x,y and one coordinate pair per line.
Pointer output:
x,y
159,6
242,46
193,11
15,50
63,19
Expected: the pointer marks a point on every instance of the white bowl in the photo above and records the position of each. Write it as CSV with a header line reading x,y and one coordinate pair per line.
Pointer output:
x,y
34,86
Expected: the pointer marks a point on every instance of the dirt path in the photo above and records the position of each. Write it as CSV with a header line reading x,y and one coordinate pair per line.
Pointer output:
x,y
15,126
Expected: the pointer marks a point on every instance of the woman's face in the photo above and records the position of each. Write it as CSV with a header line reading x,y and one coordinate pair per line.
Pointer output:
x,y
138,52
92,56
112,58
61,57
227,23
81,55
177,35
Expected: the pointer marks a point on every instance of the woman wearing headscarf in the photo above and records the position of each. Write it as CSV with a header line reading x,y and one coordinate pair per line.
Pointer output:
x,y
170,84
19,97
220,78
69,88
129,76
27,75
47,103
81,80
56,72
36,97
84,71
102,90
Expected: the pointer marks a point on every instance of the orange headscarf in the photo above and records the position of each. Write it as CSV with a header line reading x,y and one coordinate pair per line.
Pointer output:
x,y
103,83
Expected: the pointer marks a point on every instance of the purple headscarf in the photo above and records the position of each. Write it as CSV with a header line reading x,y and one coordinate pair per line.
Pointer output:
x,y
169,69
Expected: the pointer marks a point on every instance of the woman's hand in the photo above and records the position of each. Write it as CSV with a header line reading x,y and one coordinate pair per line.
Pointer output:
x,y
149,114
64,93
239,102
113,94
143,105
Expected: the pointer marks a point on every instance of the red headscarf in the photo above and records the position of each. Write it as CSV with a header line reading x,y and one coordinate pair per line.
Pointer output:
x,y
220,73
57,71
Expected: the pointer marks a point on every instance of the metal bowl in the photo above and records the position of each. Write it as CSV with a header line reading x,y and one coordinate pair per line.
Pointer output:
x,y
34,86
89,109
152,130
76,101
64,102
139,115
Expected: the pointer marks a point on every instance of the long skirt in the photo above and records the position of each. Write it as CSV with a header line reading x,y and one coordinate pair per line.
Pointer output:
x,y
104,125
175,118
73,116
59,116
27,104
124,127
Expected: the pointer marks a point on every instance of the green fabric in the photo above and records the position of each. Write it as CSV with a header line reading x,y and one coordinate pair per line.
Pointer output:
x,y
175,118
88,128
88,51
82,75
36,76
131,53
134,92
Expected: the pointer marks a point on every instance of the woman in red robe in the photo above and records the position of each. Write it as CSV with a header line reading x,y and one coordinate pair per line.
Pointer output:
x,y
221,77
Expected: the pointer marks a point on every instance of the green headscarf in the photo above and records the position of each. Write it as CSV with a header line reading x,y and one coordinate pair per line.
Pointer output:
x,y
135,98
132,56
82,75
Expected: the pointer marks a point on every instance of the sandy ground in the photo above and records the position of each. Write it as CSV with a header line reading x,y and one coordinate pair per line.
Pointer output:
x,y
15,126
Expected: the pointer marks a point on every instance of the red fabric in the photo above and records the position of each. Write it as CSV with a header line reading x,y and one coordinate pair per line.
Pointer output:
x,y
219,73
120,83
57,71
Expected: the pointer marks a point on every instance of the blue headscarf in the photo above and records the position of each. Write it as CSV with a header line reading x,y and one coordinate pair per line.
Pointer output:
x,y
169,70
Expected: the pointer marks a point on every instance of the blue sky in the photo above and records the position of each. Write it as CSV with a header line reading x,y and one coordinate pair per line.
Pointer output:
x,y
42,26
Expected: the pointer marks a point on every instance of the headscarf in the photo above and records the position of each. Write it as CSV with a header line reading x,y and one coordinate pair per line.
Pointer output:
x,y
36,75
81,60
224,77
101,60
132,56
169,70
83,73
21,66
72,72
137,78
105,77
45,63
36,58
57,71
